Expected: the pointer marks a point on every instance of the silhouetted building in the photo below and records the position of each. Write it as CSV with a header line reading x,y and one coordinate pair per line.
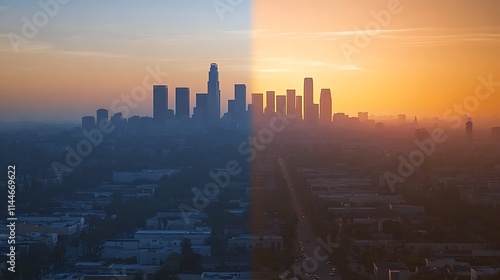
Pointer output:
x,y
160,102
314,113
290,101
240,101
468,128
88,122
325,102
213,93
270,101
257,104
298,106
231,108
308,98
182,103
363,116
281,104
102,115
200,112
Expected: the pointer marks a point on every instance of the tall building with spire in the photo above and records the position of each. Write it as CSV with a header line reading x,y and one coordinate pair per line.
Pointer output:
x,y
213,93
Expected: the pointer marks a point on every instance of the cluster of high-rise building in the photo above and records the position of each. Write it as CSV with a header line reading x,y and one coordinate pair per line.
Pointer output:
x,y
207,105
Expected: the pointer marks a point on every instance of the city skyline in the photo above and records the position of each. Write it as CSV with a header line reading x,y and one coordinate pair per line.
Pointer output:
x,y
408,65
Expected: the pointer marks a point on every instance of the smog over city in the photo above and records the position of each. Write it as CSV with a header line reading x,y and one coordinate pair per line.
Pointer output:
x,y
239,139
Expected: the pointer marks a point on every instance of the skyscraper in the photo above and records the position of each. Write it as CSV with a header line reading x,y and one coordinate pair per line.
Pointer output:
x,y
160,102
298,107
270,107
308,97
182,103
231,109
102,115
257,103
213,93
281,104
325,103
88,122
290,101
200,112
240,101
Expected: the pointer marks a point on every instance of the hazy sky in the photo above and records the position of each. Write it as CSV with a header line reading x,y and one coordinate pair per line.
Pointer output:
x,y
92,52
420,58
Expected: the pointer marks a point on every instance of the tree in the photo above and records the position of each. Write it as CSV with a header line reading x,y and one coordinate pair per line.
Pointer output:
x,y
190,261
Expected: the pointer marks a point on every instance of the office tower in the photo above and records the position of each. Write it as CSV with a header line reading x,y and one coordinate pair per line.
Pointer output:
x,y
213,93
308,97
182,103
88,122
160,102
325,103
363,116
290,101
270,102
257,103
231,108
298,107
200,112
314,113
402,118
468,128
240,101
102,115
281,104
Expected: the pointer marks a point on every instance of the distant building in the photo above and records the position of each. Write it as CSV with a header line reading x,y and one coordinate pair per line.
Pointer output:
x,y
160,102
290,102
271,103
308,98
298,107
88,122
182,103
240,101
200,112
213,93
257,104
281,104
325,103
102,115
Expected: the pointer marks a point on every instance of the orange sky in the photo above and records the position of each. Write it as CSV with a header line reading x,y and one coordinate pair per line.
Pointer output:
x,y
425,57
